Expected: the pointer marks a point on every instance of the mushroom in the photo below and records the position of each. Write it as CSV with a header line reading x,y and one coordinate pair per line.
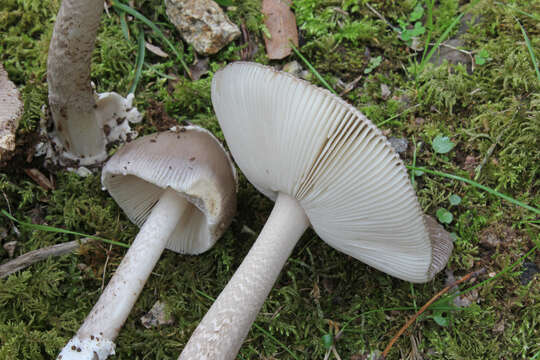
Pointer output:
x,y
325,165
180,188
83,122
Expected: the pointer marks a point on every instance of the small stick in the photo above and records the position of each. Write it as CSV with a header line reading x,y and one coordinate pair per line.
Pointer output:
x,y
105,268
350,86
383,19
35,256
424,308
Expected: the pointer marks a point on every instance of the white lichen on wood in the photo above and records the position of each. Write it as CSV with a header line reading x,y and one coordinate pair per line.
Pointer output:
x,y
11,108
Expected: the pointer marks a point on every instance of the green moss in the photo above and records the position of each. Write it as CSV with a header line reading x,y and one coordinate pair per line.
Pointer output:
x,y
494,107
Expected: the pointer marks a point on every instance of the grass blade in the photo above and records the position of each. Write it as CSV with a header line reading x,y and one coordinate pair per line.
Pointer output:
x,y
154,28
141,51
443,37
123,24
500,273
530,48
477,185
59,230
312,69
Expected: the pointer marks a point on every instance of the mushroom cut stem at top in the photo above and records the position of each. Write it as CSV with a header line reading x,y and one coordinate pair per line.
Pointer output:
x,y
115,303
224,327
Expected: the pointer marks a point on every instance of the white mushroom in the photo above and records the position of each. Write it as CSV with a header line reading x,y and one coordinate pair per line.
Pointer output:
x,y
325,165
180,188
83,122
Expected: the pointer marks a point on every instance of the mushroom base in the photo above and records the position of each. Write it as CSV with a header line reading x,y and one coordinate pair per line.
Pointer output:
x,y
113,114
94,348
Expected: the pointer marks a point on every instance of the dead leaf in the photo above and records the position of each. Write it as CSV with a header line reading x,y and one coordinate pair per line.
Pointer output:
x,y
199,68
10,247
156,50
281,25
40,179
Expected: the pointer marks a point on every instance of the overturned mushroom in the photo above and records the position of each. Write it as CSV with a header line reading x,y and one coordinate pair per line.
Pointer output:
x,y
179,187
325,165
84,122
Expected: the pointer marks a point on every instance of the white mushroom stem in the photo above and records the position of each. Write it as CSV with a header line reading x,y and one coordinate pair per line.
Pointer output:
x,y
103,323
71,97
224,328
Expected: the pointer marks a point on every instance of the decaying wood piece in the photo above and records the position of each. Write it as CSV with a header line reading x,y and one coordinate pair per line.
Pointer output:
x,y
38,255
11,108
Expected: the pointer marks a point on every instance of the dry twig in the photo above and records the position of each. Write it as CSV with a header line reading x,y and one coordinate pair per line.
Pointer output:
x,y
427,305
35,256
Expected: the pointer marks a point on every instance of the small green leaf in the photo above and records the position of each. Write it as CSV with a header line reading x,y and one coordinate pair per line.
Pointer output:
x,y
442,144
441,318
454,199
328,341
444,216
418,172
417,13
482,57
373,63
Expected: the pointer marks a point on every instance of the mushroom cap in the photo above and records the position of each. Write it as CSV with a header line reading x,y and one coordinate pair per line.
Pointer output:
x,y
292,137
189,160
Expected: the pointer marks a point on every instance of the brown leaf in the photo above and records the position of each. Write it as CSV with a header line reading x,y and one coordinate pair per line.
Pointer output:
x,y
199,68
156,50
281,24
39,178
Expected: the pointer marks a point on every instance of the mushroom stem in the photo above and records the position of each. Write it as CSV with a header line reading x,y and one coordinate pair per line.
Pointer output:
x,y
71,98
103,323
224,327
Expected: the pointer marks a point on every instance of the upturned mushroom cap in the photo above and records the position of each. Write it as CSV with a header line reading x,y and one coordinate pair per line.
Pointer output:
x,y
189,160
308,143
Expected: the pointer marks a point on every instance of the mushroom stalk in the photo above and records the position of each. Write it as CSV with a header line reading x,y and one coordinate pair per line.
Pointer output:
x,y
103,323
71,97
224,327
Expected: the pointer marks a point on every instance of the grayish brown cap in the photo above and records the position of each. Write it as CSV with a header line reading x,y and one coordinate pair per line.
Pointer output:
x,y
189,160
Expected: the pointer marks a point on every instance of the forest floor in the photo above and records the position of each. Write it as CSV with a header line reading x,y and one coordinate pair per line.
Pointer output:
x,y
473,112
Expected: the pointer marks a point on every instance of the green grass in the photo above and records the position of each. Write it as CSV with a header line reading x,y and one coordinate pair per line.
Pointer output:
x,y
491,114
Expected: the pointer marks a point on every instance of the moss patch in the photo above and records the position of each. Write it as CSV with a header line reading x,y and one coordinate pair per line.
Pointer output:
x,y
492,114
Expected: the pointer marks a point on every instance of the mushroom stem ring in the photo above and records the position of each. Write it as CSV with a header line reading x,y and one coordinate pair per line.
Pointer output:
x,y
239,303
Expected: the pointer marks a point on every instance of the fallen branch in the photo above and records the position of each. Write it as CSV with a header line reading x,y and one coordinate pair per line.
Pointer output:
x,y
35,256
427,305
